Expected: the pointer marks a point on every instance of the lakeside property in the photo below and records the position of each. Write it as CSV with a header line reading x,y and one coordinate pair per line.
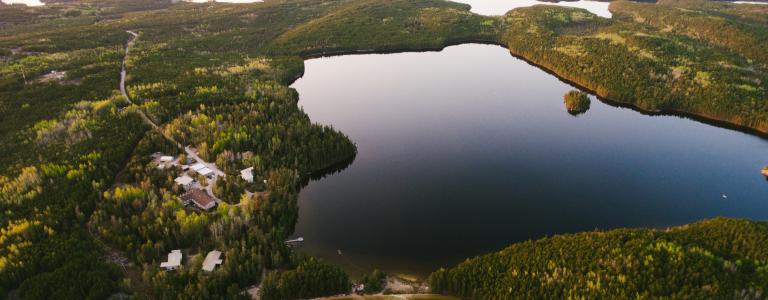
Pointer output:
x,y
82,195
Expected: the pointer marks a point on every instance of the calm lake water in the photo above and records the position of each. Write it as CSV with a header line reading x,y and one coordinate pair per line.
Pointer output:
x,y
465,151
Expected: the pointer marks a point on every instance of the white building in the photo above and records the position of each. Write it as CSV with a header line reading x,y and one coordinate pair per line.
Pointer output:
x,y
212,260
198,166
202,170
205,172
184,181
174,261
166,158
247,174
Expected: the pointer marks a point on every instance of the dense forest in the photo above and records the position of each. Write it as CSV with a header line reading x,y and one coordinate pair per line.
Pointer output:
x,y
652,57
715,259
81,193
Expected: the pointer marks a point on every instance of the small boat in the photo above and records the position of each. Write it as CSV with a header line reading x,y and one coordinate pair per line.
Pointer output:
x,y
724,196
338,251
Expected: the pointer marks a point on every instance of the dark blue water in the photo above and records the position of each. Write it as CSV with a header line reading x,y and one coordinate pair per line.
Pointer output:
x,y
465,151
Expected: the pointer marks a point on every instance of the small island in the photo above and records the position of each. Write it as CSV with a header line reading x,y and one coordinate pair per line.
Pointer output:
x,y
577,102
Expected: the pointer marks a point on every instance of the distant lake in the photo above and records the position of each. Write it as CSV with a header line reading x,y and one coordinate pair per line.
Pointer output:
x,y
465,151
749,2
38,3
26,2
225,1
500,7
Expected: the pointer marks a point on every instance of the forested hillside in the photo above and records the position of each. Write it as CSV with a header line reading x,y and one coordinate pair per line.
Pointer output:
x,y
636,59
715,259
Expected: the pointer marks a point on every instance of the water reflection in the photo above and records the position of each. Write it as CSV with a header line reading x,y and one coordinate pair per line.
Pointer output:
x,y
465,151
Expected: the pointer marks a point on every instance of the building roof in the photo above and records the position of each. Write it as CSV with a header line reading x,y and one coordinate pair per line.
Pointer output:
x,y
198,167
211,260
204,171
199,197
247,173
174,260
166,158
183,180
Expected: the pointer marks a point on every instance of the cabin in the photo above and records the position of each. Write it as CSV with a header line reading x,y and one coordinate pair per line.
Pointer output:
x,y
174,261
166,159
212,260
247,175
199,198
184,181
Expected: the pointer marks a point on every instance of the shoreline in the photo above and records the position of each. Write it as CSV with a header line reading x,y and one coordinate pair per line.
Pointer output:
x,y
693,116
698,117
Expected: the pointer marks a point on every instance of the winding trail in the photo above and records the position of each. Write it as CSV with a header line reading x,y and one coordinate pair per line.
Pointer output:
x,y
124,91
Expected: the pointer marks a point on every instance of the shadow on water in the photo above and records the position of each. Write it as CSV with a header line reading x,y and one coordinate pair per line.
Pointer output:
x,y
328,171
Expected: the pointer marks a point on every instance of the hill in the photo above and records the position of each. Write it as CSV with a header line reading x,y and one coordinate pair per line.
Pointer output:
x,y
713,259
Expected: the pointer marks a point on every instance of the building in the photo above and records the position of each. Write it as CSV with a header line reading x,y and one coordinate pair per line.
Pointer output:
x,y
166,159
184,181
211,260
197,167
200,198
202,169
174,261
205,172
247,174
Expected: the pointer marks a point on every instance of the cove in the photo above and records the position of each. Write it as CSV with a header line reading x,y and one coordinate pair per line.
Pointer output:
x,y
465,151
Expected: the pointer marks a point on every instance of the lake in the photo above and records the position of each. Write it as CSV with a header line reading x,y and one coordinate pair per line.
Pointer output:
x,y
25,2
39,3
500,7
465,151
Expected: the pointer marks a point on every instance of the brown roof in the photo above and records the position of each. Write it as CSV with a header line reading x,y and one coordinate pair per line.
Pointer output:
x,y
200,197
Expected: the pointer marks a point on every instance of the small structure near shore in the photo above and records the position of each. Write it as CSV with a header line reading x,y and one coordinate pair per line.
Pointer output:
x,y
212,260
174,261
764,171
576,102
295,241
